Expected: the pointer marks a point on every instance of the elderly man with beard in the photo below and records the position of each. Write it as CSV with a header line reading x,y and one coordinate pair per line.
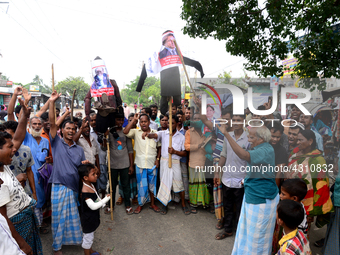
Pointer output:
x,y
256,224
39,147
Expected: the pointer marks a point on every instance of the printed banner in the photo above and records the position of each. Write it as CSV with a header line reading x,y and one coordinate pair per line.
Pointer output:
x,y
101,83
166,57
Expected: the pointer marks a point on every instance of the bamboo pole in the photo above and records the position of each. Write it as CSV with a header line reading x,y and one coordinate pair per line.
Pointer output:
x,y
72,103
55,112
170,132
109,170
185,70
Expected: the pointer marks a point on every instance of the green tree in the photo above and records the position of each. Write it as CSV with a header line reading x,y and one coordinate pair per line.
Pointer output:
x,y
266,34
151,88
71,83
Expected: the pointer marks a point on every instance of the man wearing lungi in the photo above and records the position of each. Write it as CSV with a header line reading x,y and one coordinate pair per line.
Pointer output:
x,y
67,156
146,161
170,177
258,213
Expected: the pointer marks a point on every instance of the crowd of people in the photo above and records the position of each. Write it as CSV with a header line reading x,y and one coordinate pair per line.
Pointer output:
x,y
265,184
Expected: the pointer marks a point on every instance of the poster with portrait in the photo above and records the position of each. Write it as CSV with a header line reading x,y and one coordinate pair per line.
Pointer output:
x,y
213,112
101,82
166,57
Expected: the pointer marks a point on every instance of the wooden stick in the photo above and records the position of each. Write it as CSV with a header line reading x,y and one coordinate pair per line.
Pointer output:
x,y
185,70
55,112
170,131
72,103
109,170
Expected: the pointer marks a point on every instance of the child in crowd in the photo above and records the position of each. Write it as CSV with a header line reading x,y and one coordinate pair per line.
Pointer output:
x,y
90,205
289,215
296,190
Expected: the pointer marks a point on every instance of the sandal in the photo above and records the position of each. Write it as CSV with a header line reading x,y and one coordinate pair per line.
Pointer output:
x,y
164,210
186,210
138,209
129,210
120,201
223,235
193,210
43,231
155,208
219,225
108,210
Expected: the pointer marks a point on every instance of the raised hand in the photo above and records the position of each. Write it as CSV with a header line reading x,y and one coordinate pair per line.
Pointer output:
x,y
145,134
24,109
84,123
136,117
222,128
198,102
55,96
18,91
27,96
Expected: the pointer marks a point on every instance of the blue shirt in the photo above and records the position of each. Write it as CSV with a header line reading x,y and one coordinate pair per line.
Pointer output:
x,y
66,160
259,184
39,159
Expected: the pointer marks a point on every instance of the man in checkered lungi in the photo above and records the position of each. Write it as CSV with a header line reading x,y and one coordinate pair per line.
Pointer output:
x,y
258,213
147,161
67,156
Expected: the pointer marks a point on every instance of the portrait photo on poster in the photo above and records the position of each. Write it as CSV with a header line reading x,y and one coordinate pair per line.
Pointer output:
x,y
101,82
168,54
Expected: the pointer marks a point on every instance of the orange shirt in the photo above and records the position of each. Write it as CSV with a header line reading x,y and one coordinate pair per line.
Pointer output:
x,y
45,135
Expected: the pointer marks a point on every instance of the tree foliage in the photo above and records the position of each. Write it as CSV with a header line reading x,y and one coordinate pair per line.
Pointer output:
x,y
266,34
37,81
151,88
71,83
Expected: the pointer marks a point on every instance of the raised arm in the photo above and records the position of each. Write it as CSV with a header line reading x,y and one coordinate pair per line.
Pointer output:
x,y
204,118
51,113
20,133
241,153
43,109
27,96
131,124
11,105
63,117
78,134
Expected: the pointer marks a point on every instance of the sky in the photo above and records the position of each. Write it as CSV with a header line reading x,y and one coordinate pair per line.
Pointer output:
x,y
69,34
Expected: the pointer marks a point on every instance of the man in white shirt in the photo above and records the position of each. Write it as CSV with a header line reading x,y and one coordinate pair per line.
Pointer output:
x,y
170,177
232,177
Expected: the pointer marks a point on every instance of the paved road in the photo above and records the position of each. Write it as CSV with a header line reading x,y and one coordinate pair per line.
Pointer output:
x,y
152,233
